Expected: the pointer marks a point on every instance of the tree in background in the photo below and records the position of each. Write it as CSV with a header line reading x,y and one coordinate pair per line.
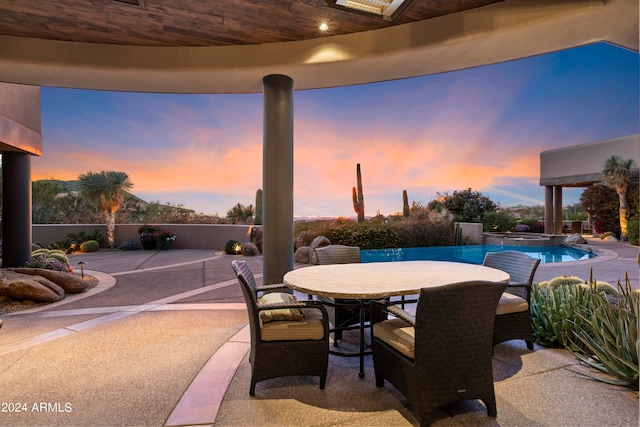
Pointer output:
x,y
617,174
498,222
468,205
54,203
45,203
107,190
240,214
602,202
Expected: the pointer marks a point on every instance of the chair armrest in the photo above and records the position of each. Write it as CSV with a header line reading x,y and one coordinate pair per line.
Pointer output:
x,y
271,287
518,285
378,307
295,304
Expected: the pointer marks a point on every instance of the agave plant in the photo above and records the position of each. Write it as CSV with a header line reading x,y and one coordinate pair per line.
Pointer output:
x,y
609,334
554,313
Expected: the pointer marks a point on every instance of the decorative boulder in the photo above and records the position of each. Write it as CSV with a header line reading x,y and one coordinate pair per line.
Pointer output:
x,y
303,254
21,286
319,242
574,239
71,284
255,237
249,249
610,239
303,240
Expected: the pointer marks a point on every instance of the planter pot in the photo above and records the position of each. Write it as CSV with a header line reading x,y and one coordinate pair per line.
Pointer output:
x,y
148,242
164,245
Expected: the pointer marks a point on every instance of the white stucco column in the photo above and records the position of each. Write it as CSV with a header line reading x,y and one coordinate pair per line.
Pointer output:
x,y
277,178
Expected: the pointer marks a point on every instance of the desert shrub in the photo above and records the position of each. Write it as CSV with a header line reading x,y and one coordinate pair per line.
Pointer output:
x,y
73,240
597,322
607,333
41,260
498,222
129,245
380,235
90,246
51,254
364,235
535,226
421,233
555,312
230,248
59,255
469,206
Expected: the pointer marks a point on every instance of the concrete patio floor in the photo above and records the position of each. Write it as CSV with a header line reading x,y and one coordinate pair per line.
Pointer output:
x,y
162,341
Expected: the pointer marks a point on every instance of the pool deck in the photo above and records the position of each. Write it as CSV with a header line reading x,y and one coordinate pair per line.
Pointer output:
x,y
613,260
162,341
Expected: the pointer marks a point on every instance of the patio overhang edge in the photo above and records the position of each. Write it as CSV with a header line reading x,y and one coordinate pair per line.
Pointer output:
x,y
501,32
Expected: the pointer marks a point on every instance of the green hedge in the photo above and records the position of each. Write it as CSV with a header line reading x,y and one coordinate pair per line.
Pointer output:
x,y
379,234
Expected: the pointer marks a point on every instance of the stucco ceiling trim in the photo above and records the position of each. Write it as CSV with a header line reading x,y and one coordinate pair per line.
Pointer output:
x,y
500,32
16,137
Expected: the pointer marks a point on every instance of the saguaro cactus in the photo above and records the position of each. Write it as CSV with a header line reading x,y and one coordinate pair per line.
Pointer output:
x,y
405,204
358,197
258,220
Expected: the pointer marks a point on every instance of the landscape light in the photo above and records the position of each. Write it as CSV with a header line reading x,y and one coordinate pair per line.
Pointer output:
x,y
81,264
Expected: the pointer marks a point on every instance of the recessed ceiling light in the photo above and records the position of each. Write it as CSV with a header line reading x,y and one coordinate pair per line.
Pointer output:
x,y
324,26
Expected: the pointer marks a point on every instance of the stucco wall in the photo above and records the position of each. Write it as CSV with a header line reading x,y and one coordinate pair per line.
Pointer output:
x,y
472,231
582,164
188,236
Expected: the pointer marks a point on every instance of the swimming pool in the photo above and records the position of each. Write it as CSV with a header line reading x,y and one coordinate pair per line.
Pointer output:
x,y
473,254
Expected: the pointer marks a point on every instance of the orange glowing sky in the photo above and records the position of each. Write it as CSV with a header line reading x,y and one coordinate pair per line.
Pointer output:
x,y
482,128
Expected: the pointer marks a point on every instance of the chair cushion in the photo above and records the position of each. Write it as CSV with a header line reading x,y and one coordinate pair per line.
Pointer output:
x,y
510,303
279,313
311,328
398,334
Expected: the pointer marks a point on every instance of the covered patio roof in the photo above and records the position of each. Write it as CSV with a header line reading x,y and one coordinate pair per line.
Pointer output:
x,y
108,45
581,165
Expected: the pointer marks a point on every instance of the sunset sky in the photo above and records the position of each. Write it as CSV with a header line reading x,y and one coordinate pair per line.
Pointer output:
x,y
482,128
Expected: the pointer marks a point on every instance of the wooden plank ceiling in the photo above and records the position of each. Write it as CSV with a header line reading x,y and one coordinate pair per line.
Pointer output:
x,y
200,22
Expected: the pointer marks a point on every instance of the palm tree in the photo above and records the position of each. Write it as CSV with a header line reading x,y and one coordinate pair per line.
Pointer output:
x,y
616,173
107,191
240,214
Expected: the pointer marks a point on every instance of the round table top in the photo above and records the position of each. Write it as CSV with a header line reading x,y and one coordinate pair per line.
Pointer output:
x,y
382,279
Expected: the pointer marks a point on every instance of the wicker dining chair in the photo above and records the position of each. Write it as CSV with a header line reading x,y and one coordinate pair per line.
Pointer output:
x,y
343,313
513,316
288,337
443,354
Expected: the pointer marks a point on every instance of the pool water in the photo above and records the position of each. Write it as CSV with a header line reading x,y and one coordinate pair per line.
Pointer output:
x,y
473,254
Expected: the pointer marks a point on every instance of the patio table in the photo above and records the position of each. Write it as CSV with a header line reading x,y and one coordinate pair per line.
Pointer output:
x,y
377,280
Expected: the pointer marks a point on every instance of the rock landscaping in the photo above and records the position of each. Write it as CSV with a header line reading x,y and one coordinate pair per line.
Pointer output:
x,y
36,285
